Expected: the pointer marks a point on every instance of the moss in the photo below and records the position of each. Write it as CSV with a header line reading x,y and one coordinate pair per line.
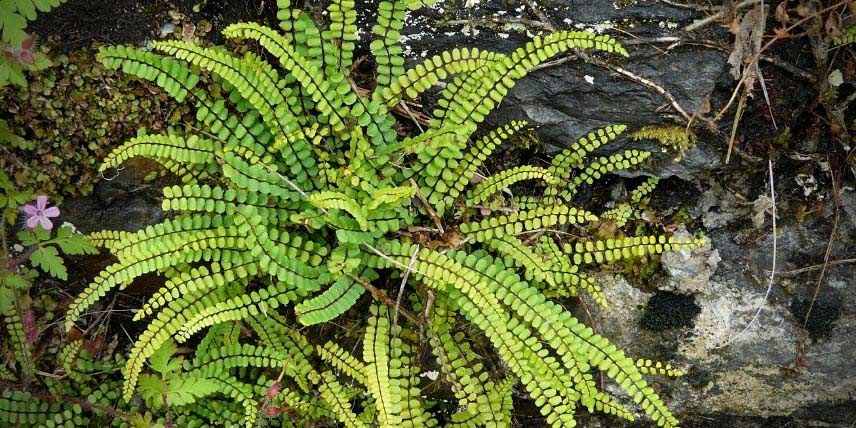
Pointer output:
x,y
822,319
667,311
73,114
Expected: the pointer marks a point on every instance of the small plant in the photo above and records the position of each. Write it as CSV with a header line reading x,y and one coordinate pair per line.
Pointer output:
x,y
299,198
77,111
678,139
17,45
39,251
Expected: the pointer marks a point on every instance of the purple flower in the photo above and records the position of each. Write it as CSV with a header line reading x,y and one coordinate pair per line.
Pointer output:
x,y
40,213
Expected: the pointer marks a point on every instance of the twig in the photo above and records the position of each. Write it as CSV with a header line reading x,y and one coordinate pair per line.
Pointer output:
x,y
766,46
380,295
431,212
628,74
390,259
772,269
540,14
707,20
737,116
404,281
816,267
412,117
657,88
487,22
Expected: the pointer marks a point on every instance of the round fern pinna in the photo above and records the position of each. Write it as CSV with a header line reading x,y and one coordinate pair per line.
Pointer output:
x,y
298,196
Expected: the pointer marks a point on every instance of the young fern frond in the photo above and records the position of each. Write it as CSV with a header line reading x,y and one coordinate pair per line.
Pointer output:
x,y
524,221
334,301
622,248
344,361
495,183
378,364
432,71
602,166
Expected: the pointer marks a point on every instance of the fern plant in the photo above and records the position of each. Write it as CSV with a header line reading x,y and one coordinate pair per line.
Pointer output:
x,y
299,196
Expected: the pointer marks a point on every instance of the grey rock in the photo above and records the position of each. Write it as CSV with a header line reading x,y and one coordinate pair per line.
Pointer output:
x,y
565,101
124,201
689,271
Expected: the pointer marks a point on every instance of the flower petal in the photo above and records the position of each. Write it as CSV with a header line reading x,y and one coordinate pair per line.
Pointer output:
x,y
42,202
29,209
51,212
46,223
32,222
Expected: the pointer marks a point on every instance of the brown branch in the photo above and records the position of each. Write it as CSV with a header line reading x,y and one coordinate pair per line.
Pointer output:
x,y
431,212
381,296
815,267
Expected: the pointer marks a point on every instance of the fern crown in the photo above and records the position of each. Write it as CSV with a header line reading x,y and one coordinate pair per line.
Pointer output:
x,y
299,196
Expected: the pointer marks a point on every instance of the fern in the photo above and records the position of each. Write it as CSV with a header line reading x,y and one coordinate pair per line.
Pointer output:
x,y
299,194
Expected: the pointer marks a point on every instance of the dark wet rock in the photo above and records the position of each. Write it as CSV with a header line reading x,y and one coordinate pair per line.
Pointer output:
x,y
669,310
124,202
567,100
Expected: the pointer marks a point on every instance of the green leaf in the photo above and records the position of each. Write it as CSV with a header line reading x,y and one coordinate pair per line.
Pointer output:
x,y
16,141
152,389
162,361
7,297
187,389
13,281
48,259
72,243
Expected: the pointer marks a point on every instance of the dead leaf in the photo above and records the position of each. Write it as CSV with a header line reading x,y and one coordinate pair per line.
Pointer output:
x,y
803,10
747,44
734,26
188,30
802,211
780,32
833,25
205,26
782,13
760,207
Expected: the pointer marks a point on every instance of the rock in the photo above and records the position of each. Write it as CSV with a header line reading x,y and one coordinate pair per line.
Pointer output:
x,y
565,101
124,202
689,271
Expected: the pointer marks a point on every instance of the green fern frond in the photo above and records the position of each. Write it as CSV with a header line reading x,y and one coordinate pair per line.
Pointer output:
x,y
601,166
495,183
328,305
524,221
621,248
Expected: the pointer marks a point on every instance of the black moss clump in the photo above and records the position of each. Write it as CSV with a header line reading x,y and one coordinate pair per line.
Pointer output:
x,y
822,317
669,310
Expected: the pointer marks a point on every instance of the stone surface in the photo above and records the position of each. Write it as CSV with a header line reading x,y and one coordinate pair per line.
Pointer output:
x,y
567,100
124,202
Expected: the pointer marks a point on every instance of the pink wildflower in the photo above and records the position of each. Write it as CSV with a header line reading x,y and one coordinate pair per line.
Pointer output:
x,y
40,213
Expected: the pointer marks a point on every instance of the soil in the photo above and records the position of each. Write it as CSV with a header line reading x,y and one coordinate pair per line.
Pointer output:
x,y
78,24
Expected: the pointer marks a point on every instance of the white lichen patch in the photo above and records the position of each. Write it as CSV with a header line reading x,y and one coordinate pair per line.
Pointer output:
x,y
689,270
589,79
726,310
431,374
764,392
